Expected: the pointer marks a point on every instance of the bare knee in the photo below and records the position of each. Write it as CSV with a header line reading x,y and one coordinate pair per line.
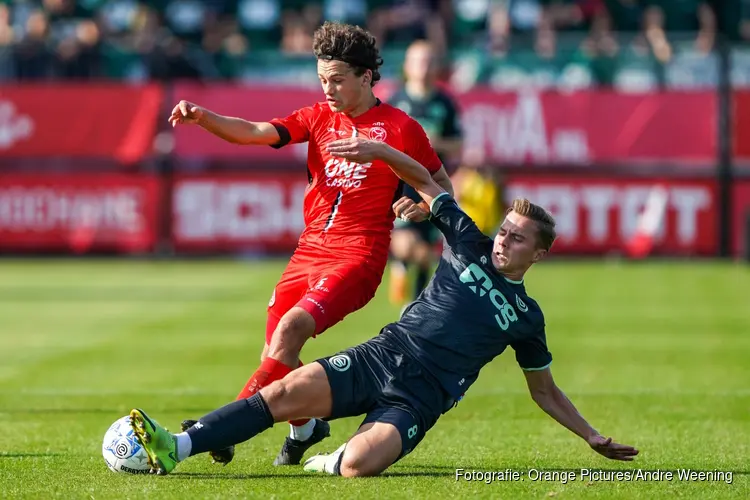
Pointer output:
x,y
370,453
297,324
305,392
355,464
293,330
275,395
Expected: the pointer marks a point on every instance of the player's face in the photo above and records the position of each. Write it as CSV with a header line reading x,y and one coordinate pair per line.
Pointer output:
x,y
343,89
419,64
515,247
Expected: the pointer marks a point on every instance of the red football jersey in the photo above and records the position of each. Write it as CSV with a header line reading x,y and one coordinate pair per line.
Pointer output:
x,y
348,205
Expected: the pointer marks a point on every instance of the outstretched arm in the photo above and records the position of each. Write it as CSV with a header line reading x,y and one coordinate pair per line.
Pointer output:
x,y
239,131
553,401
234,130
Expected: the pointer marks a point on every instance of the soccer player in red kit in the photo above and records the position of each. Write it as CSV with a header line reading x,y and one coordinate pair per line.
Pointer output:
x,y
349,207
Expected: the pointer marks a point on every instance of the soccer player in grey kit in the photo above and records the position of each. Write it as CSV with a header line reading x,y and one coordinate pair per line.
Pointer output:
x,y
418,368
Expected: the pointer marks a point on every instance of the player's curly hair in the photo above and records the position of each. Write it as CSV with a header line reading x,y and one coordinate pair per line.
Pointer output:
x,y
350,44
545,223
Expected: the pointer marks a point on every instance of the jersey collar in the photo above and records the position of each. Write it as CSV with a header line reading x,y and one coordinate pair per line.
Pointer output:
x,y
513,282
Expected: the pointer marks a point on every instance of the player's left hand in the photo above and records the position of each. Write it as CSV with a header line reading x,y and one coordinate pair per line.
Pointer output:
x,y
356,149
608,448
406,209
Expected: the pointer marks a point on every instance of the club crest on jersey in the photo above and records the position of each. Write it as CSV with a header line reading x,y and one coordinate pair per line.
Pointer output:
x,y
378,134
521,304
340,362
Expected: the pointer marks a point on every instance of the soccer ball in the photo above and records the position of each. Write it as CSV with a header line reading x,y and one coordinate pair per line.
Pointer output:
x,y
121,450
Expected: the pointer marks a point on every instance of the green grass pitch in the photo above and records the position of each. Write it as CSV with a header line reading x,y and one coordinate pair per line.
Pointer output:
x,y
656,355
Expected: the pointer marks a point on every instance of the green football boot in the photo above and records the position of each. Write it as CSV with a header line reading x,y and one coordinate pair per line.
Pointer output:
x,y
159,443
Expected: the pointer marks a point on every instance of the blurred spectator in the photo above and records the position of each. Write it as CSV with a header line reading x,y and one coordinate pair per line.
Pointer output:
x,y
498,30
186,18
626,15
421,97
736,21
506,43
78,55
346,11
679,16
169,61
7,36
296,34
400,22
260,22
741,23
468,20
653,25
602,48
33,58
575,15
545,42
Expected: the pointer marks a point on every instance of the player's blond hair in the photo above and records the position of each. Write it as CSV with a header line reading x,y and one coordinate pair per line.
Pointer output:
x,y
545,223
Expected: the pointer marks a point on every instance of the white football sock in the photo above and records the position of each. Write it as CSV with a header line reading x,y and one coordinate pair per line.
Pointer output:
x,y
332,461
184,445
302,432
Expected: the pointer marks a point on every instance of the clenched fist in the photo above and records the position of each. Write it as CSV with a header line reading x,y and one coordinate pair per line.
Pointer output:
x,y
185,112
406,209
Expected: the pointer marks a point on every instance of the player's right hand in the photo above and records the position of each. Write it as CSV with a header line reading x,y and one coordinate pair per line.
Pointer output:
x,y
608,448
185,112
406,209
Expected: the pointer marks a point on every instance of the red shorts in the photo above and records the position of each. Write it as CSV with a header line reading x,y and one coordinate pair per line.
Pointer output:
x,y
328,290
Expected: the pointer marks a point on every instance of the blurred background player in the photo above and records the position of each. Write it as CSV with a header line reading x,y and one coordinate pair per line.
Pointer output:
x,y
412,242
478,190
